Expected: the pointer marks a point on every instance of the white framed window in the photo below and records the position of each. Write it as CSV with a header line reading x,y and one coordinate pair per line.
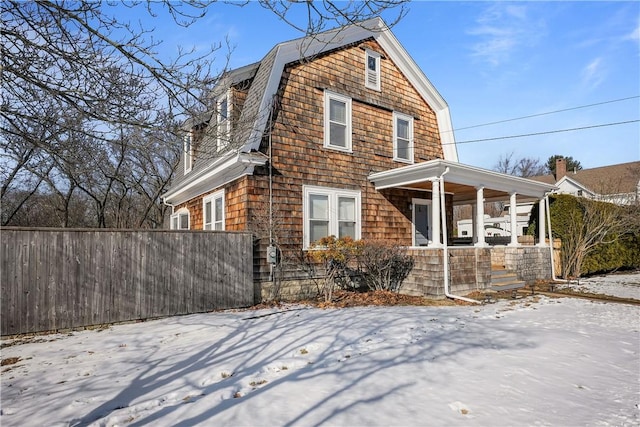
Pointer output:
x,y
223,120
330,212
337,121
402,138
372,70
180,220
187,147
213,211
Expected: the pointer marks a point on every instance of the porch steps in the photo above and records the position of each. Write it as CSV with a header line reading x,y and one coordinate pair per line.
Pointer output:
x,y
505,280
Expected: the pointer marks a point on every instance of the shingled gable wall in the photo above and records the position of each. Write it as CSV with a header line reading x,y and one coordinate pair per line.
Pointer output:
x,y
299,157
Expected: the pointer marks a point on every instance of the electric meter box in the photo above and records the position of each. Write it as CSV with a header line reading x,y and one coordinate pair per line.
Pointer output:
x,y
272,254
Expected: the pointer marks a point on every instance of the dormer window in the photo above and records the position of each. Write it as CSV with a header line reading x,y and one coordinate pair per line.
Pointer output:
x,y
187,146
223,120
372,70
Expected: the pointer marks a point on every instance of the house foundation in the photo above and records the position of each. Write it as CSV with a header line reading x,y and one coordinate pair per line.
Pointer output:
x,y
530,263
469,271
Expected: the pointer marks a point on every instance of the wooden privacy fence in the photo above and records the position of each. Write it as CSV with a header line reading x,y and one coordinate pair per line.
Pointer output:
x,y
64,278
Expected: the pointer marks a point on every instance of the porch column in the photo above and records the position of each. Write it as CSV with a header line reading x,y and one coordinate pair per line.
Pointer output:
x,y
513,219
541,225
435,213
474,221
479,230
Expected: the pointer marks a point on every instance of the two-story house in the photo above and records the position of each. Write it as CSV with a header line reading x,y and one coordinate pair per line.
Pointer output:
x,y
340,134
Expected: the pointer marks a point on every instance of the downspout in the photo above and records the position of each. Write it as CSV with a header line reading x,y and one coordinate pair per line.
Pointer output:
x,y
173,209
445,243
271,265
553,267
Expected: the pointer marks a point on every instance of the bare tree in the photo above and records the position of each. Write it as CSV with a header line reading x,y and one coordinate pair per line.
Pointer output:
x,y
82,81
523,167
91,104
326,14
584,224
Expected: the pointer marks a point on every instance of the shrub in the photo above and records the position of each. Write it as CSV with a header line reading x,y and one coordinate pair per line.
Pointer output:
x,y
351,265
335,255
383,265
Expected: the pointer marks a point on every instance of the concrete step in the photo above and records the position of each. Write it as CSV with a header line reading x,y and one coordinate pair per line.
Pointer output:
x,y
505,280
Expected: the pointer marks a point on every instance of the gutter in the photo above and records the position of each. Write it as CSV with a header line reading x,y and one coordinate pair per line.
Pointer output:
x,y
242,162
443,213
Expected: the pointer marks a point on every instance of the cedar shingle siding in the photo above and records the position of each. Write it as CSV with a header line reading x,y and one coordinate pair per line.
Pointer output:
x,y
300,158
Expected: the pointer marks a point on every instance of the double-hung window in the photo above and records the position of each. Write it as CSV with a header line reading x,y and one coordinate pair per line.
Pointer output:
x,y
187,147
330,212
223,120
402,138
213,211
180,220
337,121
372,70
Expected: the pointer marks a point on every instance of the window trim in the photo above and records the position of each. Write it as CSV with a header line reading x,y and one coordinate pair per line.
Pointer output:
x,y
176,215
188,153
333,194
400,116
367,82
212,198
328,96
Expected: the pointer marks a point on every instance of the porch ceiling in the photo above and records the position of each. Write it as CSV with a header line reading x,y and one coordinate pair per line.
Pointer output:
x,y
461,180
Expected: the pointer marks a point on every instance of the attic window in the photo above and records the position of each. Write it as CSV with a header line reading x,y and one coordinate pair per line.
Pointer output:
x,y
372,70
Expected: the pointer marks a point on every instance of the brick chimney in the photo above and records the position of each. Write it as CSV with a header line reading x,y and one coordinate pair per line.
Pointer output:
x,y
561,168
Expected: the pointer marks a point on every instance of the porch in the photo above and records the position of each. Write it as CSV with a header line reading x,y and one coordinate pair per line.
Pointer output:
x,y
441,269
470,268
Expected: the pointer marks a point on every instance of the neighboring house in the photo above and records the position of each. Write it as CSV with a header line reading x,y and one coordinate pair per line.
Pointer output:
x,y
619,184
341,134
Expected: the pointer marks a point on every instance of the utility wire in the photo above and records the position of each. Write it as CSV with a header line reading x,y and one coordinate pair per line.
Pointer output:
x,y
547,113
541,133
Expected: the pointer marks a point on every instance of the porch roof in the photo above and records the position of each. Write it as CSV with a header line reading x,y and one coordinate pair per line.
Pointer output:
x,y
461,180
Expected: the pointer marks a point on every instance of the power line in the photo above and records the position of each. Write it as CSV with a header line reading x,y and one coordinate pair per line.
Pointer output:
x,y
542,133
547,113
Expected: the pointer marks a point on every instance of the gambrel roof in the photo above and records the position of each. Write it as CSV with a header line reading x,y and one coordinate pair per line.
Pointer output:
x,y
215,172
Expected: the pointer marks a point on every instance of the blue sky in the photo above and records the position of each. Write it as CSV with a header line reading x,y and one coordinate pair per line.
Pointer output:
x,y
495,61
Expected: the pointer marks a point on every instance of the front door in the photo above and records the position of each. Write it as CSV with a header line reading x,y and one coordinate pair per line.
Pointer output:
x,y
421,222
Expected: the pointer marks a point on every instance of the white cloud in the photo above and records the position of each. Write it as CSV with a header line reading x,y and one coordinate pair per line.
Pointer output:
x,y
503,29
593,74
634,35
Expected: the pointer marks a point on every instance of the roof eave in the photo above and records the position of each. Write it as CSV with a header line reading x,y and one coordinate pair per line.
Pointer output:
x,y
228,169
458,173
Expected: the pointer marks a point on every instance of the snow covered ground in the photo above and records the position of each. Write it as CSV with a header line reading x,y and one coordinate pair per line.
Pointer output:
x,y
535,361
619,285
